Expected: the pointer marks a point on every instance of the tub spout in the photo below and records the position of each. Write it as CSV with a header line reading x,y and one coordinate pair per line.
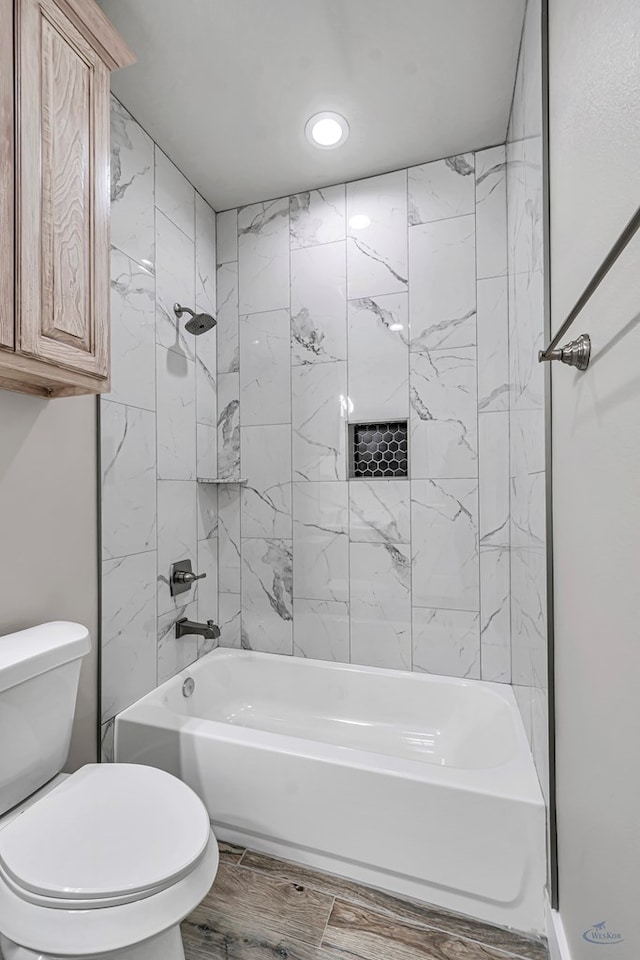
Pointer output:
x,y
208,630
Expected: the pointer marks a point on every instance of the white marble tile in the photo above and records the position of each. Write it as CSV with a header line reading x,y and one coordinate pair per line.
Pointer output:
x,y
321,540
495,614
227,236
175,196
132,188
321,630
207,505
441,189
205,257
379,357
207,590
442,267
526,338
229,620
525,205
228,425
177,537
317,216
444,413
206,378
265,351
175,283
320,408
133,333
266,464
128,631
444,525
446,642
493,430
176,415
227,329
377,252
263,256
528,616
173,654
229,539
491,212
128,455
267,604
319,303
206,451
493,344
380,579
527,442
380,511
106,741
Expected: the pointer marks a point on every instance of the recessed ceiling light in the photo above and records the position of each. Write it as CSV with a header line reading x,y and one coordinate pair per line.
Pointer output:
x,y
359,221
326,130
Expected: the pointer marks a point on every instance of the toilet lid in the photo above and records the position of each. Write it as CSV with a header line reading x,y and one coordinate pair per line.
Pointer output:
x,y
110,831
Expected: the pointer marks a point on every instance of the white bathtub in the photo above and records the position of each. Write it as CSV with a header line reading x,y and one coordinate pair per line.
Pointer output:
x,y
420,785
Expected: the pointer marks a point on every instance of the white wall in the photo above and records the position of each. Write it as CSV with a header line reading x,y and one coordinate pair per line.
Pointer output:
x,y
48,530
595,187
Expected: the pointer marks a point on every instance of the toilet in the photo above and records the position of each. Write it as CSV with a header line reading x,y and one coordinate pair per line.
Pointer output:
x,y
105,861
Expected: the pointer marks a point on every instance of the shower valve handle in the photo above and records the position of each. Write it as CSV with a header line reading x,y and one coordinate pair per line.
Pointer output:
x,y
186,576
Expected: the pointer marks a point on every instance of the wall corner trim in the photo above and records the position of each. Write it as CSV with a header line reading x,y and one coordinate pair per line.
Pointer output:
x,y
556,937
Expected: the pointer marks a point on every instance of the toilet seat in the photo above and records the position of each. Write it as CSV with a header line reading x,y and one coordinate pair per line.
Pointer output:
x,y
75,929
110,834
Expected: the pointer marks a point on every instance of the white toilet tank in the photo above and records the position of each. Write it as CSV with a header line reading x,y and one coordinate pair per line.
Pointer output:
x,y
39,672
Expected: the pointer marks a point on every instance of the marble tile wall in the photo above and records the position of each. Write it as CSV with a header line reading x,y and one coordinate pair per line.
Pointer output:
x,y
158,423
526,381
381,299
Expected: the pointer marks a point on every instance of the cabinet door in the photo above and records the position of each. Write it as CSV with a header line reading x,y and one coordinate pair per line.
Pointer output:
x,y
62,192
7,301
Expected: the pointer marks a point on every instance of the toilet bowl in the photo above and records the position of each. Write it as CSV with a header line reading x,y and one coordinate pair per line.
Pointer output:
x,y
107,863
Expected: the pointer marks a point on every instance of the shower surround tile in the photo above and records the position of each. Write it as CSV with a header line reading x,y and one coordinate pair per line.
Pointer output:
x,y
175,196
444,413
226,236
493,344
128,631
205,257
321,630
379,511
321,541
227,316
444,518
317,216
379,357
176,415
229,620
446,642
228,426
495,613
377,252
207,563
173,654
206,379
133,333
442,189
319,303
491,212
267,602
175,283
265,390
319,410
263,256
266,464
229,539
132,188
380,578
177,537
442,264
128,459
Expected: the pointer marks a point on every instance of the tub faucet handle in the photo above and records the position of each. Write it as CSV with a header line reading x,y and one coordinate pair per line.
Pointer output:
x,y
182,577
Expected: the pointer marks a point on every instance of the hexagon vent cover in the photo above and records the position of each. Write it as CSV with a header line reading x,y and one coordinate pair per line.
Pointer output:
x,y
378,450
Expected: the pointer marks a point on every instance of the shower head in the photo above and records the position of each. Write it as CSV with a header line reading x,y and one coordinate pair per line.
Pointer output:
x,y
199,322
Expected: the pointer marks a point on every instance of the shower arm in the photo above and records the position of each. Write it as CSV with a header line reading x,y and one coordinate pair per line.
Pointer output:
x,y
179,310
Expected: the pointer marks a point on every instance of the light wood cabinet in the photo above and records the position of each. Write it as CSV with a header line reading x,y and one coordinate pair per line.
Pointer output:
x,y
54,325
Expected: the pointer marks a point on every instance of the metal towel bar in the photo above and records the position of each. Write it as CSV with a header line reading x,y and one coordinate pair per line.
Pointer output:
x,y
577,353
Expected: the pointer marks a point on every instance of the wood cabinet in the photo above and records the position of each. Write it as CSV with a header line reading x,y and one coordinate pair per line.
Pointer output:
x,y
54,104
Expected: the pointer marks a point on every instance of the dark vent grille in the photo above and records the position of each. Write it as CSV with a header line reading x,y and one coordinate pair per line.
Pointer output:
x,y
378,450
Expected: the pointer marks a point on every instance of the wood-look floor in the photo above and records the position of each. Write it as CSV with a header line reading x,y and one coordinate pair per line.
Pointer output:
x,y
260,908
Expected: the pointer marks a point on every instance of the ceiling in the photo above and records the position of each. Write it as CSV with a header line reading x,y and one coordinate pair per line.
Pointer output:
x,y
226,86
